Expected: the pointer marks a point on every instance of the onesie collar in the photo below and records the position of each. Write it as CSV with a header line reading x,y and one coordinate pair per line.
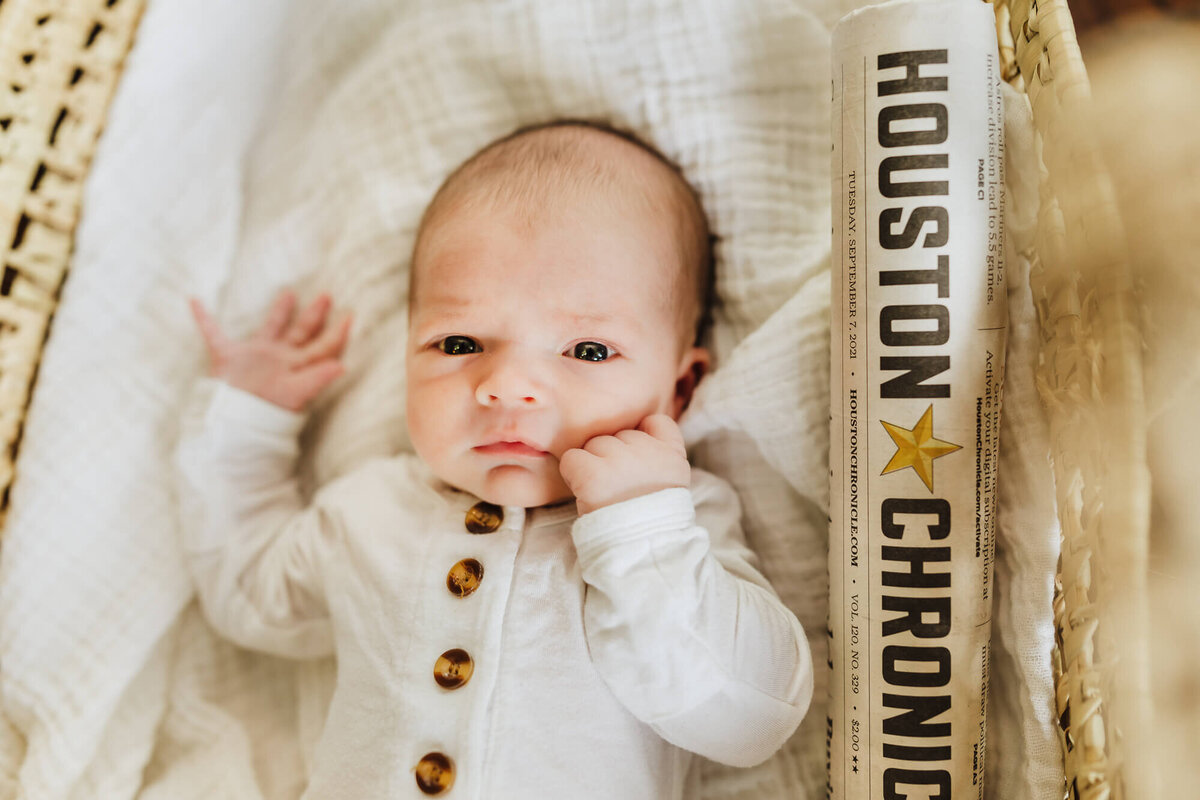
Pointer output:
x,y
515,517
552,515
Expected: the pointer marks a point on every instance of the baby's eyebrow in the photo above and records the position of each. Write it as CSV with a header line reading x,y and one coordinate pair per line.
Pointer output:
x,y
446,309
459,308
619,322
454,310
592,316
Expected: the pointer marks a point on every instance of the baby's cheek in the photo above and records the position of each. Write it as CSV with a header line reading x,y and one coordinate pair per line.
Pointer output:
x,y
425,424
605,409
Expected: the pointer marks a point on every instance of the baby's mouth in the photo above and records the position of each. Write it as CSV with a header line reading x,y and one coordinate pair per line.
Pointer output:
x,y
511,449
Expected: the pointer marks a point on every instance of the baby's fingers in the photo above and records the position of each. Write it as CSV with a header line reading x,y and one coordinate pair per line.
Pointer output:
x,y
665,429
279,316
310,321
329,344
577,466
305,384
214,338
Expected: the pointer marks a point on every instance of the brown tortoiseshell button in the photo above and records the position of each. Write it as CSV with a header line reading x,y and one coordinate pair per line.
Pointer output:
x,y
435,773
484,517
453,668
464,577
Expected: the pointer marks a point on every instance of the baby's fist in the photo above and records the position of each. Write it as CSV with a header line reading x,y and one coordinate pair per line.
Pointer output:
x,y
631,463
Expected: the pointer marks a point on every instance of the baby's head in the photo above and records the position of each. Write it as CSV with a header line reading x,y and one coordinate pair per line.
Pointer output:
x,y
560,290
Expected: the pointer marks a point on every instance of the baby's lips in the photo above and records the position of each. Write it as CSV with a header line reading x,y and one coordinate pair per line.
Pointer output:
x,y
511,448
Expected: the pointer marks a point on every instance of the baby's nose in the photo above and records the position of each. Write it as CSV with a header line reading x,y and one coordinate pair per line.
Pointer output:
x,y
509,383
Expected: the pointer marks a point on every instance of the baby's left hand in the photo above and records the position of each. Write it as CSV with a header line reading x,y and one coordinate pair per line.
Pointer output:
x,y
631,463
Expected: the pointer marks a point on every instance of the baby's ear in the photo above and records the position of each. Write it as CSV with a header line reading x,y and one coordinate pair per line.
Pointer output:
x,y
693,368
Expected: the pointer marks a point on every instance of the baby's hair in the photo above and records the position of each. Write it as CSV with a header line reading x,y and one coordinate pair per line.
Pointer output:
x,y
558,161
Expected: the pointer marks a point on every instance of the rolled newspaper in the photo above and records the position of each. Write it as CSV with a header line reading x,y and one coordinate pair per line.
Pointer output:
x,y
918,336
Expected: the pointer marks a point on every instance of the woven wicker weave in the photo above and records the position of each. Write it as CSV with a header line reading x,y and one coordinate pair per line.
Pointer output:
x,y
1090,379
61,61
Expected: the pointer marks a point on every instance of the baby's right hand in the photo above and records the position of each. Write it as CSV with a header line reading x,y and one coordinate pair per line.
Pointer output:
x,y
287,361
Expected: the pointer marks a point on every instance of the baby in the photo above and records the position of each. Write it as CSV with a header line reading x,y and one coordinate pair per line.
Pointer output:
x,y
547,600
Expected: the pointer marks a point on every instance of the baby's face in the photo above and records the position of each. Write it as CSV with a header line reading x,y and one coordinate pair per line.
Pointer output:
x,y
547,333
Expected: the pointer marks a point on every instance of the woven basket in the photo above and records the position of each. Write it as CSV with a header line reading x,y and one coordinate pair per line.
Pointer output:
x,y
61,61
1090,380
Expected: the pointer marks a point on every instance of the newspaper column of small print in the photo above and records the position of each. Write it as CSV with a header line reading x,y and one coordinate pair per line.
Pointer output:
x,y
918,322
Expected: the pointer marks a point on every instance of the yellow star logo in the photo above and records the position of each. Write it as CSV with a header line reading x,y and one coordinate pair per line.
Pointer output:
x,y
917,448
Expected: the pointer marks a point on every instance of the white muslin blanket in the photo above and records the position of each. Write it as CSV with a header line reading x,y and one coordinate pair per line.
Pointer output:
x,y
253,146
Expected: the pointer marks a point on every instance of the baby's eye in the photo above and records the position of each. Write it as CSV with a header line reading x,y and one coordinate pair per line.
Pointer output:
x,y
458,345
591,351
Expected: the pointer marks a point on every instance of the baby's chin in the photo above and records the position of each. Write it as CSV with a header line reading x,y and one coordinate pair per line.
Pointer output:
x,y
512,485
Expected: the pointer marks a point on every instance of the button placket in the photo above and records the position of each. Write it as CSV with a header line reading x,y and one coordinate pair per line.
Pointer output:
x,y
453,669
435,773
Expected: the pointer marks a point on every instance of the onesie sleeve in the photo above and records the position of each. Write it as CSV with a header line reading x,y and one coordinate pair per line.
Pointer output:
x,y
685,630
254,548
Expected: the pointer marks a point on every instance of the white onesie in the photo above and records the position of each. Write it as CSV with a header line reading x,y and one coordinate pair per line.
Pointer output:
x,y
493,652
